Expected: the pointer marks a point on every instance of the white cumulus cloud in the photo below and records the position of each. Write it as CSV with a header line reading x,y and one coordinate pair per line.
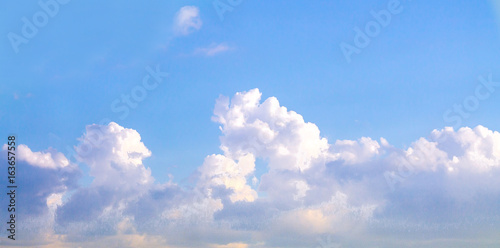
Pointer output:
x,y
444,184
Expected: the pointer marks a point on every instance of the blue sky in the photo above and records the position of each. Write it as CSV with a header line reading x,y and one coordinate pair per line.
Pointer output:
x,y
428,58
425,61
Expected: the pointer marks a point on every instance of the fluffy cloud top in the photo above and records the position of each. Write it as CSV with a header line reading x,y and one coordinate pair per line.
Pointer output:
x,y
269,131
346,188
50,159
114,155
187,20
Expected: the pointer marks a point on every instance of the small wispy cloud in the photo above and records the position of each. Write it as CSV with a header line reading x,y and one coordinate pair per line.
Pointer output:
x,y
187,20
213,49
